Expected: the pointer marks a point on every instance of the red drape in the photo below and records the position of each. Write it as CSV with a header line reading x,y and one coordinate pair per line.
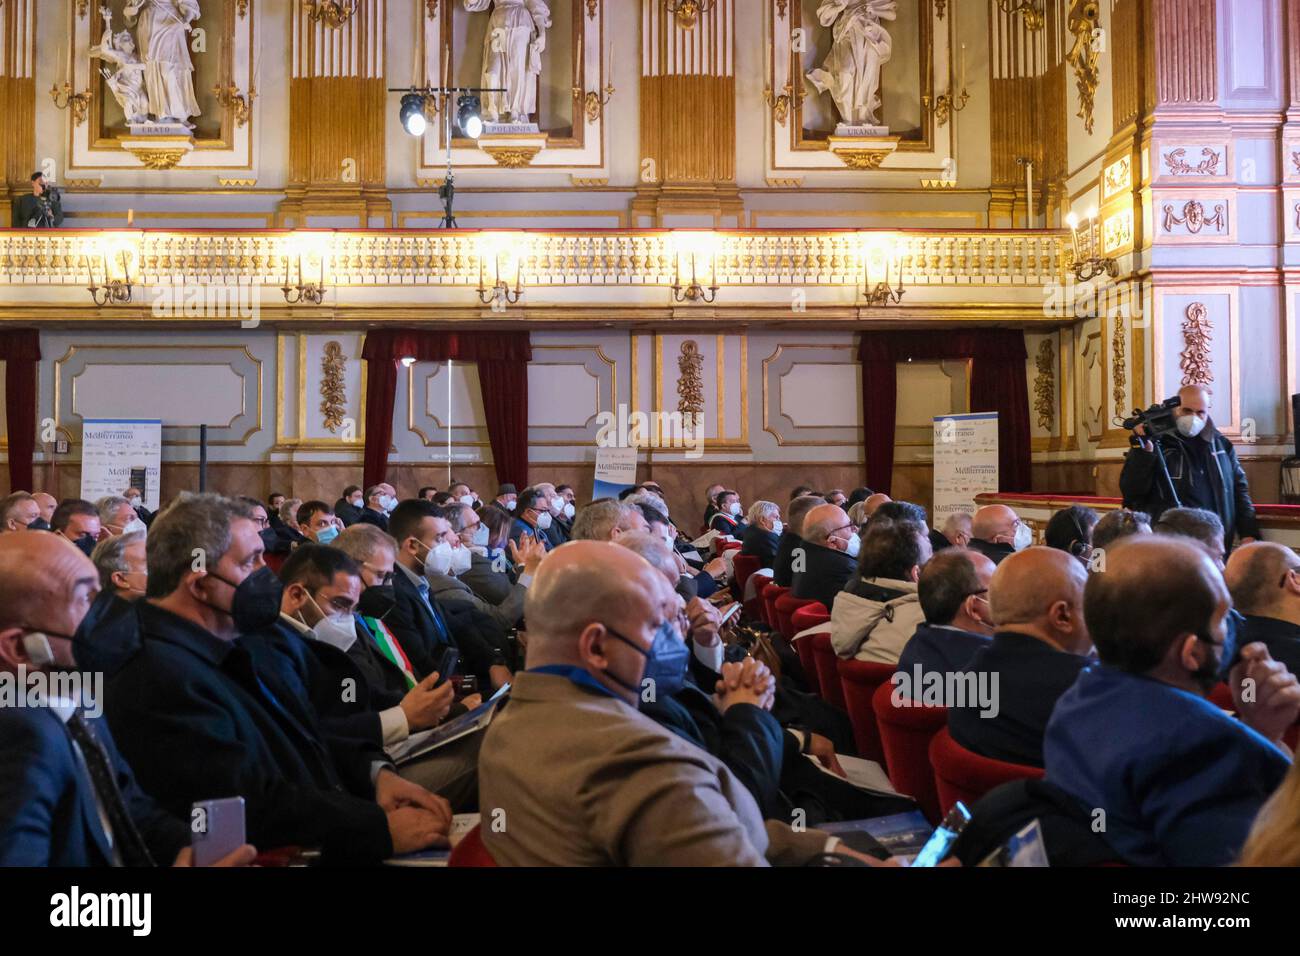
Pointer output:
x,y
502,359
20,350
997,384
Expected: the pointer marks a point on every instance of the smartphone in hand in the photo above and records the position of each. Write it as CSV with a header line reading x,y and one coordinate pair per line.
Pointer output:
x,y
216,829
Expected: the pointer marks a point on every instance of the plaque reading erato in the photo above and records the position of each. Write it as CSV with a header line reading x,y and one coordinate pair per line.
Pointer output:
x,y
112,448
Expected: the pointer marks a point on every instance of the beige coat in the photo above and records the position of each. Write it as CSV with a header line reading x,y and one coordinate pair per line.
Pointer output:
x,y
572,777
875,630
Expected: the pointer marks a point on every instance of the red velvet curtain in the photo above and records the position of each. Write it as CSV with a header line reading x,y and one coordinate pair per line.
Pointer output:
x,y
20,350
502,359
997,385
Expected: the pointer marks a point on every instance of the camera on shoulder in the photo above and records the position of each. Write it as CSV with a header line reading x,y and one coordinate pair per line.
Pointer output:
x,y
1156,421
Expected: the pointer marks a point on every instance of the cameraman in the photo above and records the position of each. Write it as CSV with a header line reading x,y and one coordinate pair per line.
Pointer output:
x,y
1203,469
43,209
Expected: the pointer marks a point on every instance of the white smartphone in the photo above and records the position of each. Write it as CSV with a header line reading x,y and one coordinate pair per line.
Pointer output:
x,y
216,829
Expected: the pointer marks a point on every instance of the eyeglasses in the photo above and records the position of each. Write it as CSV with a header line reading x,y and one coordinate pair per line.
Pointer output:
x,y
385,577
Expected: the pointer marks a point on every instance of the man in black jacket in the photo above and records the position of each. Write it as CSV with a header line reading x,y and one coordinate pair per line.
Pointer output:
x,y
828,557
954,592
789,540
1272,611
198,719
348,508
1203,469
763,535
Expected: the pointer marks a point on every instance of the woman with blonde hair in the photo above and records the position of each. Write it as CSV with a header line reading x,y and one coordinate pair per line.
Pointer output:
x,y
1275,836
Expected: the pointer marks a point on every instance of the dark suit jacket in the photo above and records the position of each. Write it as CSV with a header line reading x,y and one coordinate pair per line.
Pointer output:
x,y
385,679
762,544
347,512
491,585
48,813
1032,675
825,573
560,531
785,545
422,629
116,636
199,721
1282,638
941,650
725,524
376,518
938,540
994,552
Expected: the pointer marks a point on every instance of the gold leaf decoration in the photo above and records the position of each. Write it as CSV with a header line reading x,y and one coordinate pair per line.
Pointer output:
x,y
1045,385
332,389
1194,359
690,381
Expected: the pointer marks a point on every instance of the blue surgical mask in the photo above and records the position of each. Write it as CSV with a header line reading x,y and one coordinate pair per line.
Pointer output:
x,y
665,664
327,534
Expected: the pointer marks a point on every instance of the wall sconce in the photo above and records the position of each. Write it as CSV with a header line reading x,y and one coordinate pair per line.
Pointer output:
x,y
781,104
116,287
64,98
688,12
693,249
304,249
594,101
882,271
500,250
333,13
945,104
1029,9
1093,264
230,98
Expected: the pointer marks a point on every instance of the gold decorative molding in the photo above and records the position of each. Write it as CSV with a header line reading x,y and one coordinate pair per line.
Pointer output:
x,y
1117,177
784,182
430,182
940,8
1178,165
938,184
591,8
222,181
690,380
1119,365
1045,385
1084,56
83,6
84,183
512,157
242,7
1194,360
158,152
862,152
334,401
583,182
431,8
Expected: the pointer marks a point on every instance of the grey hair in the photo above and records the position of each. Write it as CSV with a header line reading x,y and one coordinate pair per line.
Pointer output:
x,y
597,521
455,515
360,542
763,509
289,511
648,499
651,547
192,525
110,556
107,505
858,512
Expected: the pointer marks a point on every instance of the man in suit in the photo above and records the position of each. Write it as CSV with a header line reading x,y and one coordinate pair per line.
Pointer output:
x,y
67,798
954,593
997,532
348,507
199,718
763,535
560,527
827,559
532,516
606,519
954,534
507,497
581,776
1264,578
375,511
273,501
727,518
1180,780
791,538
1198,524
710,505
447,588
1035,656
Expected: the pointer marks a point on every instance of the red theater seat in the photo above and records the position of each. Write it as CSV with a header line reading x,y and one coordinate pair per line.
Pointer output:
x,y
754,606
744,565
808,616
827,670
965,776
905,735
770,596
470,851
858,683
786,605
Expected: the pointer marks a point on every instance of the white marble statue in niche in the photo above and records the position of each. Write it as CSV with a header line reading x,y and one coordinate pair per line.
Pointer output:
x,y
162,29
512,57
860,48
126,79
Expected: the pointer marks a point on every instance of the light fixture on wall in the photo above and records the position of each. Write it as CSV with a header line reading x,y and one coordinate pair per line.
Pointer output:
x,y
882,270
333,13
1029,9
64,99
1088,261
945,104
304,248
113,285
688,12
503,253
693,247
594,101
240,104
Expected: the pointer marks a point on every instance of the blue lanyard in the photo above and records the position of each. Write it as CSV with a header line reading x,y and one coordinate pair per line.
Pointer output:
x,y
575,674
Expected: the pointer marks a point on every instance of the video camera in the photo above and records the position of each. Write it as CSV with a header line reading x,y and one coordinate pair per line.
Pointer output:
x,y
1158,419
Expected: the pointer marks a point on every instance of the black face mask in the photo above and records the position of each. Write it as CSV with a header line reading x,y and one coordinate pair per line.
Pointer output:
x,y
1212,672
270,540
256,604
377,601
86,544
40,524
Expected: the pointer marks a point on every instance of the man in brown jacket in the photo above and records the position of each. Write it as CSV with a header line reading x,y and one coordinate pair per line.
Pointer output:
x,y
571,774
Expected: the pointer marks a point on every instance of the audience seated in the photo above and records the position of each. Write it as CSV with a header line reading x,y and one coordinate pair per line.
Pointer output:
x,y
997,531
1117,525
120,561
605,519
288,533
20,512
1199,525
562,512
1070,530
273,501
763,535
47,503
445,580
491,573
877,613
727,515
78,521
116,516
790,538
349,506
317,522
955,532
1264,580
827,557
533,517
1036,597
380,500
953,591
1178,780
710,506
506,497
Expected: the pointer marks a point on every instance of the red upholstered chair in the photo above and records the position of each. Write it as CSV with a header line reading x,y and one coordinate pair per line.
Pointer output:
x,y
1221,696
965,776
827,670
770,596
858,682
744,565
805,617
905,734
754,606
274,561
785,606
470,851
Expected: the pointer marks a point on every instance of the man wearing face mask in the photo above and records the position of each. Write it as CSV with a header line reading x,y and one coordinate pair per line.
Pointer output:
x,y
533,516
558,529
120,561
1180,780
136,500
583,778
954,593
997,532
348,507
202,718
764,533
317,522
20,512
376,508
877,613
116,516
1202,465
506,498
728,518
569,509
78,521
464,535
827,558
462,494
67,798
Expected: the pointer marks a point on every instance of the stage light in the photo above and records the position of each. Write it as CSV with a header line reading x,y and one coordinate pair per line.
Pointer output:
x,y
412,114
467,116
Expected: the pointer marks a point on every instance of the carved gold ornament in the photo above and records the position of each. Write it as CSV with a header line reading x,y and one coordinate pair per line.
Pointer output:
x,y
591,8
333,393
1194,217
1194,359
593,101
64,99
1084,56
688,12
940,8
1178,166
863,158
431,9
690,381
240,104
82,7
512,157
1029,9
333,13
1045,385
242,7
1118,365
782,102
160,158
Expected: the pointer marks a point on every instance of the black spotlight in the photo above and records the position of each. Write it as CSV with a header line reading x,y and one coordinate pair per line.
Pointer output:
x,y
468,116
412,114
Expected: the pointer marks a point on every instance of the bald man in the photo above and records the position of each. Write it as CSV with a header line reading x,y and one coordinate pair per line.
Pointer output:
x,y
1272,612
996,532
47,503
873,502
954,593
827,558
1179,780
1037,651
575,774
1203,469
53,812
